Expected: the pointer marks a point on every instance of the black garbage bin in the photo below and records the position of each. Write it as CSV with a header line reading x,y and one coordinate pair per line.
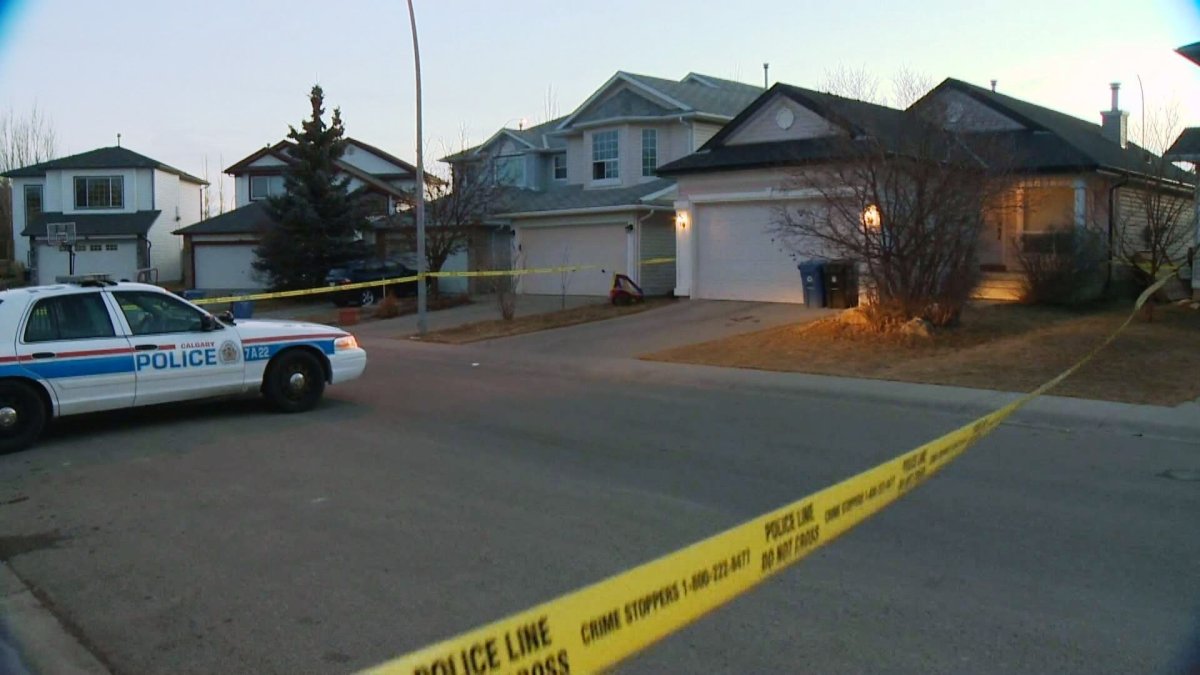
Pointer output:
x,y
841,284
814,283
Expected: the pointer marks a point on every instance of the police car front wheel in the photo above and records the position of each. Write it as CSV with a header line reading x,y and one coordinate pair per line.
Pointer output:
x,y
22,416
294,381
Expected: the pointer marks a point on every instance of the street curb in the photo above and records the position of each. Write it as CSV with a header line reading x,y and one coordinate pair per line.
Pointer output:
x,y
32,640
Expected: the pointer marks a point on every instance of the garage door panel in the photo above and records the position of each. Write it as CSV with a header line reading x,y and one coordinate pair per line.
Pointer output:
x,y
226,267
601,245
740,258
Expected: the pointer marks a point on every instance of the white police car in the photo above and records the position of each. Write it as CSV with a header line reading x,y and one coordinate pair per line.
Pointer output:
x,y
93,345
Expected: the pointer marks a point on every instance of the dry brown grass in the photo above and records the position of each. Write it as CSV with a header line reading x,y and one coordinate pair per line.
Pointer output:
x,y
1001,346
498,328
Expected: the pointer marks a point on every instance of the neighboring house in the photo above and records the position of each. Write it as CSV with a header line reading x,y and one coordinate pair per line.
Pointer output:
x,y
583,189
1068,170
124,207
1187,149
219,252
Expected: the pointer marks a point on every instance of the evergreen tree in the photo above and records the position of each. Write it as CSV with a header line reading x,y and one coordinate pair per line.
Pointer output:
x,y
317,219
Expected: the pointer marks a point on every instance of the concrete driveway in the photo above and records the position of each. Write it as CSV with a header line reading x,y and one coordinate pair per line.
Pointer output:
x,y
683,322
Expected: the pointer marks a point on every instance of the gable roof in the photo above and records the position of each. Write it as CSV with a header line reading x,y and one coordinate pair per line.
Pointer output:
x,y
1186,148
695,94
282,152
114,157
249,219
94,224
1079,144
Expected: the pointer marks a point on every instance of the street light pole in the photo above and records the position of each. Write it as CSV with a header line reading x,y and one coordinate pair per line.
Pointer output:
x,y
422,267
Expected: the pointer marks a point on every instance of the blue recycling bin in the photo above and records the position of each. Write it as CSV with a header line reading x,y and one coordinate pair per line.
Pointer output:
x,y
812,277
242,309
193,294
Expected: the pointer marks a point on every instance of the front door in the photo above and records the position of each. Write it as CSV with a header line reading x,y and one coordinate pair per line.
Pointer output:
x,y
174,357
991,242
69,341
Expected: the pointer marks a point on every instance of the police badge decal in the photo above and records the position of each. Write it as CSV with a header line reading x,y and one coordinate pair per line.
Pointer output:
x,y
229,352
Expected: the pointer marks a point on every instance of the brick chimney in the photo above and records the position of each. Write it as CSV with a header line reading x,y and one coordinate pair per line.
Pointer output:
x,y
1114,123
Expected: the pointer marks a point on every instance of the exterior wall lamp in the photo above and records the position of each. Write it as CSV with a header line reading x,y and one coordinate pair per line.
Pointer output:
x,y
681,219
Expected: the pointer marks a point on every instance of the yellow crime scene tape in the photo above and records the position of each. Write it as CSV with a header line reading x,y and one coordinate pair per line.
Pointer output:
x,y
595,627
271,295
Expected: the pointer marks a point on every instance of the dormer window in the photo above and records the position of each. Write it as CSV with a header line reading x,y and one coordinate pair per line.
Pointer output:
x,y
262,187
509,170
560,166
604,155
99,192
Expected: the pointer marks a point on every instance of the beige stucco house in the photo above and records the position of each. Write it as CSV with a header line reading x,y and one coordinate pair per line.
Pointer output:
x,y
1069,173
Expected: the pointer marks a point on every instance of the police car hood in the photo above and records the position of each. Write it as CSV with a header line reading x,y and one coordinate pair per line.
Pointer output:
x,y
268,328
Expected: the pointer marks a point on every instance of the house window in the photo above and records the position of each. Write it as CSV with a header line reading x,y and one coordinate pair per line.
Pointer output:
x,y
110,247
99,192
604,155
262,187
560,167
509,170
649,151
33,202
95,247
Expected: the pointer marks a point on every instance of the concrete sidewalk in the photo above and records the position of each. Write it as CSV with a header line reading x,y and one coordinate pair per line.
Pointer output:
x,y
32,640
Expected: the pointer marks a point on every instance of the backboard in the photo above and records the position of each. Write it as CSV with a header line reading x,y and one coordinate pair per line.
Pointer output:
x,y
60,234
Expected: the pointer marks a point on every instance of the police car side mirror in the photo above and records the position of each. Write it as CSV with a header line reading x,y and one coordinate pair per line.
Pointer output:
x,y
208,323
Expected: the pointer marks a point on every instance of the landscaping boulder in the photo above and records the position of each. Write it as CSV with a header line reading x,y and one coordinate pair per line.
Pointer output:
x,y
917,327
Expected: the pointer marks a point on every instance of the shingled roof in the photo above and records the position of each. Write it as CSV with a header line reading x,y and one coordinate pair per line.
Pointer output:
x,y
570,197
114,157
94,224
252,218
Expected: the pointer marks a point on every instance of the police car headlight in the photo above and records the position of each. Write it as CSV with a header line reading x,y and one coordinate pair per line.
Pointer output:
x,y
346,342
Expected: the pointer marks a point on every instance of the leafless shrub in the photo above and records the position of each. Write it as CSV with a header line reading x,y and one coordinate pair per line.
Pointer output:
x,y
1063,267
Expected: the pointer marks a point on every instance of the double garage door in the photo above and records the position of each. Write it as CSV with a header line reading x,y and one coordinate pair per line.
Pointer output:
x,y
602,247
225,266
740,257
118,259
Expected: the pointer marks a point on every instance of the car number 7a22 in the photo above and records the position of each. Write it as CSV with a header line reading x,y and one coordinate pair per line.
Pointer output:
x,y
256,353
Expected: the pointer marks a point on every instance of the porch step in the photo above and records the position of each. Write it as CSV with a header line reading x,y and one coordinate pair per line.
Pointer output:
x,y
1000,286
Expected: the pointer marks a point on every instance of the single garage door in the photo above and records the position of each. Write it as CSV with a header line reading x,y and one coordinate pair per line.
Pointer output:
x,y
601,245
117,259
740,258
227,266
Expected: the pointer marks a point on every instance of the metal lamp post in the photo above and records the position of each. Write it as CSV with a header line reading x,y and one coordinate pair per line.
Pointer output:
x,y
422,266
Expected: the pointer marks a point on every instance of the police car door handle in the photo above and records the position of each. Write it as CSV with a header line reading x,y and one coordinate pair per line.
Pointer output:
x,y
145,348
42,355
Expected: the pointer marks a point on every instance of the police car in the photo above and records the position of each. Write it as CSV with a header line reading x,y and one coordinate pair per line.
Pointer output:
x,y
91,344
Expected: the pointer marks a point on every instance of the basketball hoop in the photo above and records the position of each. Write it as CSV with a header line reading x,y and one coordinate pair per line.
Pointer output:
x,y
60,234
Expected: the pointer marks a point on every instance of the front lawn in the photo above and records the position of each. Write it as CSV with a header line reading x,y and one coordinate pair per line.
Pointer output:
x,y
1007,347
498,328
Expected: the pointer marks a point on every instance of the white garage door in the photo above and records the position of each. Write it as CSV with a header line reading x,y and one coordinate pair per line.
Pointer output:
x,y
739,258
228,266
601,245
116,259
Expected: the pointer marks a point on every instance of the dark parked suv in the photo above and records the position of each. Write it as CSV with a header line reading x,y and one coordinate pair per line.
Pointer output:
x,y
371,270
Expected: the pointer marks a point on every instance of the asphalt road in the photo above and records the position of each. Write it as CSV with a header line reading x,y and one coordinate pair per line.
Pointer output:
x,y
434,495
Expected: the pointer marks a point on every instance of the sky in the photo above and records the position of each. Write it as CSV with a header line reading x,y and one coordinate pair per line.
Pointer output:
x,y
182,82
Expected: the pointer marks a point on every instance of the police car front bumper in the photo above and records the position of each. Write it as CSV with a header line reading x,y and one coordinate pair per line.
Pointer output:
x,y
347,364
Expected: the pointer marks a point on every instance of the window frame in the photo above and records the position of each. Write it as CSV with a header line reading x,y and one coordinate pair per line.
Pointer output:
x,y
555,166
648,169
87,192
604,163
273,188
40,189
58,331
508,160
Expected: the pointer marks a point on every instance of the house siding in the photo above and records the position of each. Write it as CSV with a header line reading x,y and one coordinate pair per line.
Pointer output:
x,y
166,248
762,127
1133,222
623,102
700,133
973,115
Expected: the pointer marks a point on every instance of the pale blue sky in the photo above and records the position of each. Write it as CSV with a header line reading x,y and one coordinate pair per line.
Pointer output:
x,y
222,78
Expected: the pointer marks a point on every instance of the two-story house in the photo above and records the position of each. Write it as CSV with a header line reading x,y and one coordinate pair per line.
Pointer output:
x,y
120,207
219,252
583,189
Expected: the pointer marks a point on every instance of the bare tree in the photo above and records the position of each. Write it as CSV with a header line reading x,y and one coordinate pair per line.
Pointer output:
x,y
564,276
854,82
24,140
907,202
455,209
550,104
908,86
1154,217
206,202
221,186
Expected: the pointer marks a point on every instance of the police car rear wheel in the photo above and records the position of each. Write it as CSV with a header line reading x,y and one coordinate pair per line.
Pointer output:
x,y
294,382
22,416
